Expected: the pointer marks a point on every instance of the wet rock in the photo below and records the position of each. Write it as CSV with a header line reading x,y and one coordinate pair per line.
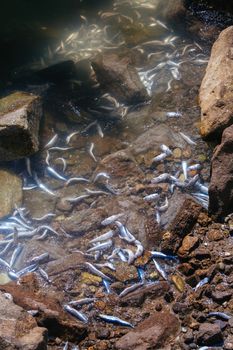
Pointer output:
x,y
215,235
40,204
19,330
20,115
153,333
173,11
120,78
216,94
178,220
188,244
69,262
58,72
221,187
151,291
209,334
10,192
31,296
178,282
221,296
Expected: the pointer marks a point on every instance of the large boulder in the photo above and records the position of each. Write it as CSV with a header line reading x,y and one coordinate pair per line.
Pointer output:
x,y
20,115
153,333
119,77
216,91
18,329
221,183
11,192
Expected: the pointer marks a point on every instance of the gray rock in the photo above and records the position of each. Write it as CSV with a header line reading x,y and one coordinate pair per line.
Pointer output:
x,y
18,330
120,78
209,334
20,115
221,183
10,192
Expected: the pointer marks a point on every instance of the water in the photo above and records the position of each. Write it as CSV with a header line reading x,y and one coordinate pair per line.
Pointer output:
x,y
171,66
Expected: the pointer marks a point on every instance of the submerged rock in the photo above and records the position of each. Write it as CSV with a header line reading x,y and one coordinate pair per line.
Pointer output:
x,y
153,333
19,330
221,183
20,115
120,78
216,92
10,192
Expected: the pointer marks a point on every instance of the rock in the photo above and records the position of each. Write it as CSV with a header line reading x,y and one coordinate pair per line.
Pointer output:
x,y
69,262
221,296
216,93
31,296
58,72
151,291
178,220
215,235
19,330
178,282
209,334
172,11
153,333
221,183
119,77
20,115
10,192
188,244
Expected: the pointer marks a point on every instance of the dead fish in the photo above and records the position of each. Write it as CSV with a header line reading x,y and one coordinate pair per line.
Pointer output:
x,y
108,265
139,250
96,193
63,162
160,270
99,130
101,175
26,270
69,137
90,151
157,217
44,275
173,114
40,259
121,230
130,289
76,179
79,315
103,237
97,272
46,216
76,199
151,197
52,141
161,178
113,319
42,186
101,246
60,148
201,283
107,286
221,315
111,219
159,158
28,166
184,168
194,167
55,174
187,139
165,149
16,254
82,301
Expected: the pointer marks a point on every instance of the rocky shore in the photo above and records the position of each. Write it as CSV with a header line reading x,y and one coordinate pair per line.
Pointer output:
x,y
117,189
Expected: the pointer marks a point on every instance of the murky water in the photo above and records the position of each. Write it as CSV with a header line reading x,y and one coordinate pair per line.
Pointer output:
x,y
171,66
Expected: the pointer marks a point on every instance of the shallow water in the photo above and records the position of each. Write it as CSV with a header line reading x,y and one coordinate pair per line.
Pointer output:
x,y
171,66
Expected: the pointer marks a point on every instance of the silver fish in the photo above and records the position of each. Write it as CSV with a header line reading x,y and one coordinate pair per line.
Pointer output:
x,y
187,139
103,237
79,315
122,230
194,167
76,199
101,175
40,259
157,217
99,130
107,286
130,254
28,166
173,114
161,178
111,219
221,315
97,272
163,207
102,246
27,269
76,179
69,137
113,319
165,149
60,148
201,283
184,168
90,151
108,265
52,141
160,270
42,186
16,254
159,158
130,289
63,162
44,275
55,174
139,250
151,197
96,193
46,216
162,255
82,301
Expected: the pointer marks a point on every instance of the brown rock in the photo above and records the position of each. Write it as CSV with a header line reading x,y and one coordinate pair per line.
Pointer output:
x,y
69,262
18,329
188,244
151,291
221,183
120,78
221,296
20,115
153,333
10,192
215,235
209,334
216,93
179,219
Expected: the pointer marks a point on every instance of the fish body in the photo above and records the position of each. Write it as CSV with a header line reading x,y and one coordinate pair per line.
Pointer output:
x,y
79,315
100,247
111,219
201,283
187,139
151,197
97,272
160,270
103,237
159,158
161,178
55,174
114,319
130,289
